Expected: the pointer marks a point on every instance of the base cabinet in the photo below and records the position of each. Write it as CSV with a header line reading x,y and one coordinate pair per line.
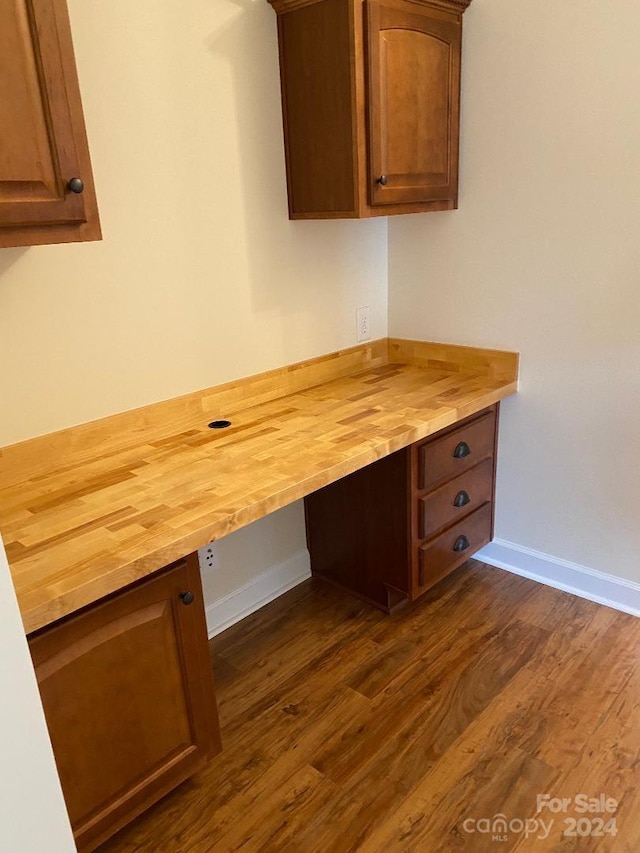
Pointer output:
x,y
392,530
128,695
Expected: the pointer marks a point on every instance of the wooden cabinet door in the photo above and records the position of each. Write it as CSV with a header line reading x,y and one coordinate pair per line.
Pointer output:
x,y
43,143
127,690
413,66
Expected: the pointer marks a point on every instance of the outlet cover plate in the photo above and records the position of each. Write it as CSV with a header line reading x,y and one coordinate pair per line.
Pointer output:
x,y
363,324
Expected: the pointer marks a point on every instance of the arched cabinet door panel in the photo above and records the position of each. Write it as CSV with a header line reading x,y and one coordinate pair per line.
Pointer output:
x,y
413,76
370,104
46,183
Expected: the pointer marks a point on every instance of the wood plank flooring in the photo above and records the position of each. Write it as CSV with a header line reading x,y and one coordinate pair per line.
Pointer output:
x,y
347,730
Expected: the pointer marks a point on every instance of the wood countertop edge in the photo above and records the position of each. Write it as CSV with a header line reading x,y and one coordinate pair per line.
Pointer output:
x,y
27,458
48,603
24,459
85,579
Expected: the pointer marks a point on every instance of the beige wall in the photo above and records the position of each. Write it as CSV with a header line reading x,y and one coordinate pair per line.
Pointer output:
x,y
544,256
201,277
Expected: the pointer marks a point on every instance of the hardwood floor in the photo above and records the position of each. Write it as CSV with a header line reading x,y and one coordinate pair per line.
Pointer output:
x,y
347,730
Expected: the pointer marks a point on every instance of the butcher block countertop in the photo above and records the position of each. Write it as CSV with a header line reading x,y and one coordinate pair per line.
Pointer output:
x,y
86,511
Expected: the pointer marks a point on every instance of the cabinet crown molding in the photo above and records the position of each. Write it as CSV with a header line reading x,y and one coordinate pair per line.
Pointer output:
x,y
284,6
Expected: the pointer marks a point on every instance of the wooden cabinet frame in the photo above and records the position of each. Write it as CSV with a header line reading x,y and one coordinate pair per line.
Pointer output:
x,y
365,532
335,115
44,132
128,695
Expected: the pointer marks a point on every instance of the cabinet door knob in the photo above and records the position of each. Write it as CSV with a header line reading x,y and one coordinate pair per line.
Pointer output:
x,y
461,544
76,185
461,450
461,499
382,180
187,597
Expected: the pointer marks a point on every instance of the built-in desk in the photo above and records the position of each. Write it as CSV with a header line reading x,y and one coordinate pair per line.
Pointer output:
x,y
89,512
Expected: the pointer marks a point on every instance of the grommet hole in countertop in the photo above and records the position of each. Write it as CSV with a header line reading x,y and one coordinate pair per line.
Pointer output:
x,y
219,424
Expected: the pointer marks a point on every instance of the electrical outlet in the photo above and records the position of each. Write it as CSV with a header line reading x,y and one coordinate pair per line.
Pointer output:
x,y
363,323
207,556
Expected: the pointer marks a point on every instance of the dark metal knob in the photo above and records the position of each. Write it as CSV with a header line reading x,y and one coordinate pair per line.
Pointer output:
x,y
383,180
187,597
461,544
76,185
462,450
461,499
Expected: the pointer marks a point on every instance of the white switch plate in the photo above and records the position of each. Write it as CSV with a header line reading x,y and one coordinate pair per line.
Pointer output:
x,y
363,323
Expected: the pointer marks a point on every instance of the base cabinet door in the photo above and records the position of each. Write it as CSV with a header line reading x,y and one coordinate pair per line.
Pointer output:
x,y
128,695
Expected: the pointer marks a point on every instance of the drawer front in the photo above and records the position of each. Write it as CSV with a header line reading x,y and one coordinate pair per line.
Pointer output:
x,y
456,499
444,458
450,549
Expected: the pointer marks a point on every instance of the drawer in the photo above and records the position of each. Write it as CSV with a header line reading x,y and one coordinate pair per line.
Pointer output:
x,y
456,499
450,549
444,458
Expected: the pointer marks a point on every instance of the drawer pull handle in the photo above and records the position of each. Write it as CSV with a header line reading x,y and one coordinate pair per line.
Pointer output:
x,y
461,544
461,450
461,499
187,597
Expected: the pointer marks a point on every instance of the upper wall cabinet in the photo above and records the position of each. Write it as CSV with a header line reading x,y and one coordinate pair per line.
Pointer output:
x,y
46,184
371,103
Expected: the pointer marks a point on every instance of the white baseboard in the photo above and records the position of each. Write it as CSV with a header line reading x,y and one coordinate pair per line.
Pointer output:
x,y
586,583
561,574
261,590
